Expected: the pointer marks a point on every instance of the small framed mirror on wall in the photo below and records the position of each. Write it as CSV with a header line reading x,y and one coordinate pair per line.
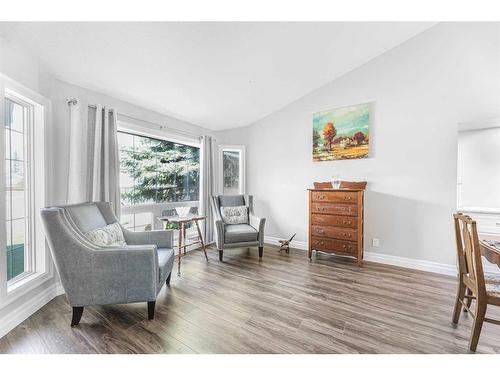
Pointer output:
x,y
232,169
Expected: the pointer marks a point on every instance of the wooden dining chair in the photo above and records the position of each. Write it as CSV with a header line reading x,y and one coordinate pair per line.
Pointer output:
x,y
472,283
462,269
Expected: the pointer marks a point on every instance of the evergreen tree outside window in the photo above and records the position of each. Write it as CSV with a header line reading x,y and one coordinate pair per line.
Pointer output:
x,y
154,171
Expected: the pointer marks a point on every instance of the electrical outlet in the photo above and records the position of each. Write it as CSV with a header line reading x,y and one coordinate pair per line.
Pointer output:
x,y
375,242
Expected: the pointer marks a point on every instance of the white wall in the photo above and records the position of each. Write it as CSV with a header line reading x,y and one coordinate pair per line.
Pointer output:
x,y
19,65
479,168
421,90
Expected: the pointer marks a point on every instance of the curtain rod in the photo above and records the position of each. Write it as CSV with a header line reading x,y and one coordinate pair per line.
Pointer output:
x,y
74,101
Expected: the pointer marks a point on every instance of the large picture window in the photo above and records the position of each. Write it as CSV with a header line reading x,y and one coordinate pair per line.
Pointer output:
x,y
157,171
156,176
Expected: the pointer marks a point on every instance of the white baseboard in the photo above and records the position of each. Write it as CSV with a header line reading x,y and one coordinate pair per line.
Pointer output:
x,y
59,289
25,310
416,264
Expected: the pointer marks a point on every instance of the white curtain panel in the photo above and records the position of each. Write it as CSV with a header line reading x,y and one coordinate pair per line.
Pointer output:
x,y
207,184
78,154
94,164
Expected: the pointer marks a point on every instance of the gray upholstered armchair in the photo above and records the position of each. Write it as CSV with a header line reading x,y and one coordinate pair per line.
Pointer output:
x,y
237,235
100,275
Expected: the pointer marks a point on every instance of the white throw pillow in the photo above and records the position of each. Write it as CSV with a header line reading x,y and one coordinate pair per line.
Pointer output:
x,y
110,235
234,215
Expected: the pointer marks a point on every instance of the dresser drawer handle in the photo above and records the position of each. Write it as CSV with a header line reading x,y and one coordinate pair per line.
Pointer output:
x,y
321,197
347,235
320,231
346,223
344,246
347,198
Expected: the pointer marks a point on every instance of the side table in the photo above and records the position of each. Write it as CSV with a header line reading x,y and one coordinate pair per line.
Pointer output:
x,y
182,222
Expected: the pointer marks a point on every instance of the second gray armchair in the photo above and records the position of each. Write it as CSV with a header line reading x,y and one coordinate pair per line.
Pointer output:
x,y
237,235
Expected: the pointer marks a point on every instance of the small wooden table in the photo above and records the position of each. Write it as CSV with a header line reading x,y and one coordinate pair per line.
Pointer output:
x,y
181,222
490,252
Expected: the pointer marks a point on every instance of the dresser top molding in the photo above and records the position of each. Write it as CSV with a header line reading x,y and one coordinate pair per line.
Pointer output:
x,y
343,190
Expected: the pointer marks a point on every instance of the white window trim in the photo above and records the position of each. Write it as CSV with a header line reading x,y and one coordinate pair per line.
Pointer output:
x,y
43,265
141,128
220,180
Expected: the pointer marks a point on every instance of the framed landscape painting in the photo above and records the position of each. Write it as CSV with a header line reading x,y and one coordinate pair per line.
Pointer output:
x,y
342,133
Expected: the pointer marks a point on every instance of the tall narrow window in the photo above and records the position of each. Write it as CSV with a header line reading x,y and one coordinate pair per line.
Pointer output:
x,y
24,259
232,170
17,117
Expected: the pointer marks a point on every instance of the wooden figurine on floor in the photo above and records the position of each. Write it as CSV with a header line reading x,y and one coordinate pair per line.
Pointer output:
x,y
285,244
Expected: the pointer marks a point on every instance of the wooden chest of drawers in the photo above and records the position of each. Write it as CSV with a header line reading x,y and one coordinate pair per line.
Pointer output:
x,y
336,222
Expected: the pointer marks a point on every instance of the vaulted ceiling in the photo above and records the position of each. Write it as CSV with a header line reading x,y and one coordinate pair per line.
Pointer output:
x,y
216,75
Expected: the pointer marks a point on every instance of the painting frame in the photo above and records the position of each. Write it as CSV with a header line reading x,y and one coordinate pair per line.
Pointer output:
x,y
342,133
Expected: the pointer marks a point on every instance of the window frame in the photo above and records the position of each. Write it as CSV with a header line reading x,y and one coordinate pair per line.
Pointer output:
x,y
241,149
28,136
42,267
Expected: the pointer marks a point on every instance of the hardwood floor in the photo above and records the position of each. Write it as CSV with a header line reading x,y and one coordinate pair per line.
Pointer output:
x,y
282,304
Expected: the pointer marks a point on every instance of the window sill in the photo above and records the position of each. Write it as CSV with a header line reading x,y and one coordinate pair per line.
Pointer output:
x,y
24,286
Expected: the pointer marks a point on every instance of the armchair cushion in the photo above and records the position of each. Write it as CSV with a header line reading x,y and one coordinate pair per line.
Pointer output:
x,y
234,214
240,233
110,235
160,238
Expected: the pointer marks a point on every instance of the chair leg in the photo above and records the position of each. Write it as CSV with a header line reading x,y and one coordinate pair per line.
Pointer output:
x,y
468,302
261,251
151,310
168,278
221,254
77,315
478,324
458,302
